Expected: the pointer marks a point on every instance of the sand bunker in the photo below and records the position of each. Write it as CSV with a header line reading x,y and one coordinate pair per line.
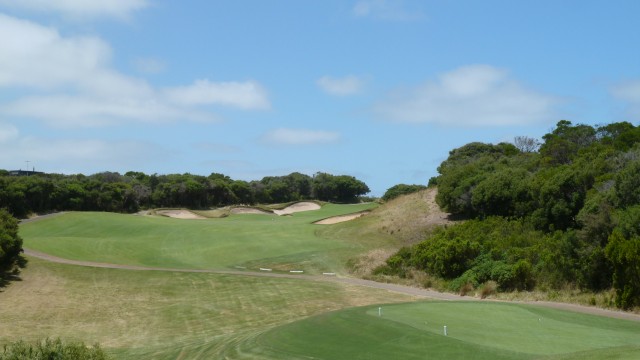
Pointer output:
x,y
341,218
298,207
180,214
248,210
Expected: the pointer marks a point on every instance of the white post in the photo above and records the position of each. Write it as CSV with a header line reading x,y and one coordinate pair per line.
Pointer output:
x,y
445,330
379,311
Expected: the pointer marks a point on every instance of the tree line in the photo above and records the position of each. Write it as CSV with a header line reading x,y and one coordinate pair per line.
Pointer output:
x,y
563,212
128,193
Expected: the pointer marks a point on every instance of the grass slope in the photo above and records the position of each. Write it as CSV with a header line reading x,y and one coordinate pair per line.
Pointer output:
x,y
163,315
475,330
285,242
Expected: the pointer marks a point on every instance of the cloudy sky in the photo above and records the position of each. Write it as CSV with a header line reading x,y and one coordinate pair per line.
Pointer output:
x,y
377,89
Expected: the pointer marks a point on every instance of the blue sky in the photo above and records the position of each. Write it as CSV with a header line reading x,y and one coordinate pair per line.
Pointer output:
x,y
378,89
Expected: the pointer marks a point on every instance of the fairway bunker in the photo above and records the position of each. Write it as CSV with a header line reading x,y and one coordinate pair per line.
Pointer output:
x,y
341,218
180,214
249,210
298,207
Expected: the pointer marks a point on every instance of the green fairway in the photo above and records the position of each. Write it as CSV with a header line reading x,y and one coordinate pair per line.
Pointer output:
x,y
477,330
253,241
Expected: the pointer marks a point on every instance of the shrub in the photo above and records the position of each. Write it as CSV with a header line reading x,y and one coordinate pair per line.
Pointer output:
x,y
488,288
466,289
49,349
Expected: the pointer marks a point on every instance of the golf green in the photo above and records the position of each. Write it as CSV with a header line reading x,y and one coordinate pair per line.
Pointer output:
x,y
474,330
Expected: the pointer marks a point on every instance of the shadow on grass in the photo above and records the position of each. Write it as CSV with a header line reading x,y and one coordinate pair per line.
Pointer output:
x,y
13,274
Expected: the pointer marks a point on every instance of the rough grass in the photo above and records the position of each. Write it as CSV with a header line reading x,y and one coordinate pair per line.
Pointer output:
x,y
243,240
162,315
402,221
475,331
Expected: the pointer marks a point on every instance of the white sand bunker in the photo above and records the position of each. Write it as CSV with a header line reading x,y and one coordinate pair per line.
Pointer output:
x,y
298,207
180,214
248,210
341,218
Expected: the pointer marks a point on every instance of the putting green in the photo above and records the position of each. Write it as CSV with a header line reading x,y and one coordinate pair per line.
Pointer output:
x,y
253,241
478,330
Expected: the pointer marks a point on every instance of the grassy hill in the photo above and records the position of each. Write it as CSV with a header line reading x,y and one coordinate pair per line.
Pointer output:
x,y
181,315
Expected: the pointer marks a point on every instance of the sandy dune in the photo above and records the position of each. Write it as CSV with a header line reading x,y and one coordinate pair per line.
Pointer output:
x,y
180,214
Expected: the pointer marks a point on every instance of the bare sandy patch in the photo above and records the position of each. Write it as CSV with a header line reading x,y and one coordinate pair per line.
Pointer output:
x,y
180,214
298,207
248,210
341,218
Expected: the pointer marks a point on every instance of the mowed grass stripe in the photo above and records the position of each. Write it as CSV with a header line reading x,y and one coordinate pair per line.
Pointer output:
x,y
200,244
160,315
475,330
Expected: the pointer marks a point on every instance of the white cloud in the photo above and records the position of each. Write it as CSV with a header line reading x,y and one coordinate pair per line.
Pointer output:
x,y
391,10
80,9
8,132
86,111
244,95
476,95
60,68
299,137
348,85
629,92
149,65
38,56
82,156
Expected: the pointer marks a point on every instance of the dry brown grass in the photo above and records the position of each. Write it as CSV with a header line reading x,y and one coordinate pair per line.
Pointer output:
x,y
487,289
411,218
365,264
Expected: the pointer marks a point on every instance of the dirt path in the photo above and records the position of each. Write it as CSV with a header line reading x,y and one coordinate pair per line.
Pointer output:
x,y
344,280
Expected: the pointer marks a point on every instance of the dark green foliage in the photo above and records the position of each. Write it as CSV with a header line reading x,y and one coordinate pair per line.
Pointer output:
x,y
569,213
49,349
113,192
341,189
446,255
11,259
627,184
503,192
401,189
623,251
563,144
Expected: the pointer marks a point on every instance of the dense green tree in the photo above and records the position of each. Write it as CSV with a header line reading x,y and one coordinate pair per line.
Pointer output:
x,y
11,259
110,191
401,189
624,254
503,192
565,141
465,168
627,184
567,214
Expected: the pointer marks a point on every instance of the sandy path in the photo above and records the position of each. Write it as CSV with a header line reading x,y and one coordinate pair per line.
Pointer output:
x,y
351,281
